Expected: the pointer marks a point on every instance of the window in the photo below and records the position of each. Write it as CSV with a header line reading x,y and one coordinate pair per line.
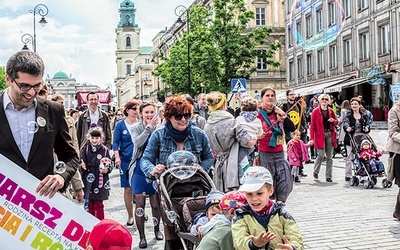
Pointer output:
x,y
347,53
147,61
347,7
128,69
260,16
333,56
261,64
299,37
320,58
384,39
299,68
319,20
309,64
128,42
290,35
147,75
364,46
363,4
331,13
309,31
291,70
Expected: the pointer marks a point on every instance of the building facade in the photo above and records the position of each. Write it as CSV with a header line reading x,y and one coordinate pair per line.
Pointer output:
x,y
361,59
67,86
266,13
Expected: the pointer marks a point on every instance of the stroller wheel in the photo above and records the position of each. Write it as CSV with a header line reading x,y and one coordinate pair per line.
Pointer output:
x,y
366,184
357,181
374,180
390,184
385,183
353,181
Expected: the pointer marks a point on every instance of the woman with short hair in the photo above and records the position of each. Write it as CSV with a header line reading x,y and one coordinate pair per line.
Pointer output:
x,y
323,135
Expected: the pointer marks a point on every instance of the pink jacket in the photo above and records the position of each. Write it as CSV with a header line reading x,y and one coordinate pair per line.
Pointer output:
x,y
368,154
297,152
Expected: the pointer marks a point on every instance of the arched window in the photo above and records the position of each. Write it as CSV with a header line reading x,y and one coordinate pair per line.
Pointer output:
x,y
128,41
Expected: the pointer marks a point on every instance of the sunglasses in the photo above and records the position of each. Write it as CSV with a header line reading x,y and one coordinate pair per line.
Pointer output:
x,y
133,108
269,95
178,117
324,99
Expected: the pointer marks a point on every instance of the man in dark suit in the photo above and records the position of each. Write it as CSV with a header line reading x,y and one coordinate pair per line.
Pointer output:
x,y
31,128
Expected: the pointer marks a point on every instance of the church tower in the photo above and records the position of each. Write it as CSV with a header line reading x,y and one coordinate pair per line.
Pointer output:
x,y
128,40
128,48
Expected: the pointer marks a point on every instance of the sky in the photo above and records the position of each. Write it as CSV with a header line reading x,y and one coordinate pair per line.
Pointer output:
x,y
79,37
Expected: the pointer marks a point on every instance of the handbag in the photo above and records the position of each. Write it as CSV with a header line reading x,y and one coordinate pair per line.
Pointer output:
x,y
390,168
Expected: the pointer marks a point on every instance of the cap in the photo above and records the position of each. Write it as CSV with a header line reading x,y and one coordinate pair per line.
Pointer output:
x,y
109,234
214,197
232,199
254,178
365,141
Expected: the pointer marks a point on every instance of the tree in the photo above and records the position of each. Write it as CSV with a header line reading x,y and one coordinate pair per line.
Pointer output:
x,y
221,47
3,84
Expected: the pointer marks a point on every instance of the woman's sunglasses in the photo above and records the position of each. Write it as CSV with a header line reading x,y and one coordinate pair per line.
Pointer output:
x,y
187,116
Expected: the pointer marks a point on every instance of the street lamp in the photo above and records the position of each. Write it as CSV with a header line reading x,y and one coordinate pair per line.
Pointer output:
x,y
179,10
25,39
139,70
42,10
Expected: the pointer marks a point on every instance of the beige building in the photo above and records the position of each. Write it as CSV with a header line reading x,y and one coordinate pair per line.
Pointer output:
x,y
134,79
267,13
358,44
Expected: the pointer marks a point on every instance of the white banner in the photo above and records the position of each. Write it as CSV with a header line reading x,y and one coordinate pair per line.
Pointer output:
x,y
31,221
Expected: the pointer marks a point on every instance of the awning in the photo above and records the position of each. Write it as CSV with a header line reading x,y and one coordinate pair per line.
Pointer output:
x,y
340,86
319,88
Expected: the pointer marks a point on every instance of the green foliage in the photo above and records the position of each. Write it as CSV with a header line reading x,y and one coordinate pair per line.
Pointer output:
x,y
221,47
3,84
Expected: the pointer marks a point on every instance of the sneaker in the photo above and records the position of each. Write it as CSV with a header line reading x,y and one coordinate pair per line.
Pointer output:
x,y
347,178
303,174
328,179
315,176
296,179
309,162
395,216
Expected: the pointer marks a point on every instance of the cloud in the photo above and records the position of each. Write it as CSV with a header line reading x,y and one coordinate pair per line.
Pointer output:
x,y
79,37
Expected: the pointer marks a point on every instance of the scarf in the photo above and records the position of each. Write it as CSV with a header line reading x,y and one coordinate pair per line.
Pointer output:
x,y
249,116
177,135
276,131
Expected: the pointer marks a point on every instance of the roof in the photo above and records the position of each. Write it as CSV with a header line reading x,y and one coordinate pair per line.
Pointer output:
x,y
60,75
146,49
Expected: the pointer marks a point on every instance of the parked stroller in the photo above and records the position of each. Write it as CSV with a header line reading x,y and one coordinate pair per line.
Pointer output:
x,y
362,170
181,199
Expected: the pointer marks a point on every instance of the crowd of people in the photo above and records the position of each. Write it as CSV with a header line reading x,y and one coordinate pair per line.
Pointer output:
x,y
244,154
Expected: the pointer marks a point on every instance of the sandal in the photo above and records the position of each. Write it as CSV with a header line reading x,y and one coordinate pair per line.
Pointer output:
x,y
130,222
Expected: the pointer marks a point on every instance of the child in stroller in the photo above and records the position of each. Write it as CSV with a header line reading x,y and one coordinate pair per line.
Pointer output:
x,y
212,208
370,158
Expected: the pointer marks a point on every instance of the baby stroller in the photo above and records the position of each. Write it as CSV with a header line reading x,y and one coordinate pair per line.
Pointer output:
x,y
181,200
362,171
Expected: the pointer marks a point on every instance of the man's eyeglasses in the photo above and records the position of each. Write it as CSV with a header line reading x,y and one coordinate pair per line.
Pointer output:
x,y
187,116
324,99
26,87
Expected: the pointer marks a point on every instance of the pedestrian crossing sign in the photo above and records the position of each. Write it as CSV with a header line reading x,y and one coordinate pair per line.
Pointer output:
x,y
238,85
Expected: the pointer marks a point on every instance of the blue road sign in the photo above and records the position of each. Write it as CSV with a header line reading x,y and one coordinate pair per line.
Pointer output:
x,y
238,85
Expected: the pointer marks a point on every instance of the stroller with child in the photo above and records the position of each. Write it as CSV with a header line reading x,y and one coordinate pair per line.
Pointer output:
x,y
181,199
366,171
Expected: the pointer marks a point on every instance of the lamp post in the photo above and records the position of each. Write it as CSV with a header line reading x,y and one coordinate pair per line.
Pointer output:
x,y
179,10
25,39
139,70
42,10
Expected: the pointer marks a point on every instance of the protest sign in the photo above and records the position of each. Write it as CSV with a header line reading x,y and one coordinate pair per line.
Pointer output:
x,y
31,221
